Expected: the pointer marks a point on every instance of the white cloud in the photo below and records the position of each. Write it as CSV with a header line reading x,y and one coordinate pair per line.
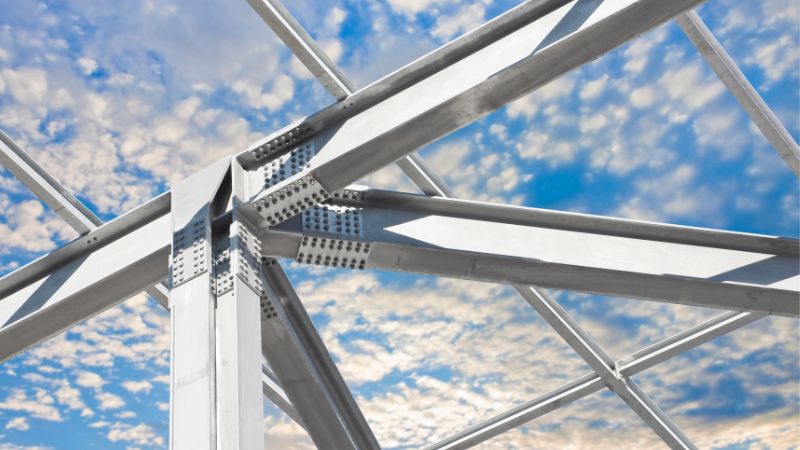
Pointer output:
x,y
137,386
141,434
71,398
90,380
108,401
27,85
87,65
594,88
18,423
41,407
466,18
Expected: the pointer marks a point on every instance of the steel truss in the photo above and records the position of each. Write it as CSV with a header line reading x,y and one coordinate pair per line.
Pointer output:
x,y
216,234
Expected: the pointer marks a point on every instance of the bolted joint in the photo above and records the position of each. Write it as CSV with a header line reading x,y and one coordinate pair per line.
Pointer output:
x,y
190,249
282,143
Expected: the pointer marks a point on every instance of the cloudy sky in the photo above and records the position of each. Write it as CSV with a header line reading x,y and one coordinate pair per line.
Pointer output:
x,y
119,99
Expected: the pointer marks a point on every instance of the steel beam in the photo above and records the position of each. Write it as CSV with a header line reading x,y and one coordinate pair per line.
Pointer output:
x,y
329,375
460,93
603,366
303,46
591,383
408,75
295,368
47,188
57,197
744,92
88,282
332,77
571,221
503,251
239,375
273,391
194,412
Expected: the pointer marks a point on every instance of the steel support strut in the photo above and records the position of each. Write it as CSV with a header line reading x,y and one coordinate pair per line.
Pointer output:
x,y
517,245
744,92
332,77
293,348
603,365
57,197
591,383
216,385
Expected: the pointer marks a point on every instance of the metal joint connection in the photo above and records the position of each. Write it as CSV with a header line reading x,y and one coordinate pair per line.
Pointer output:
x,y
189,252
282,143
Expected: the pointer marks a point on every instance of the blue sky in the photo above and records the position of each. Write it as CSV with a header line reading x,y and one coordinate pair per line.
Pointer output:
x,y
119,99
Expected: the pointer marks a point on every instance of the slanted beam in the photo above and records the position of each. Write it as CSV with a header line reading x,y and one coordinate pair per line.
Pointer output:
x,y
501,248
333,78
603,366
303,46
81,280
460,93
47,188
294,366
273,391
57,197
323,363
591,383
744,92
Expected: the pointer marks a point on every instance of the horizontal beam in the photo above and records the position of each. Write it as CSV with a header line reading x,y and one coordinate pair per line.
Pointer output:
x,y
507,252
84,286
591,383
572,221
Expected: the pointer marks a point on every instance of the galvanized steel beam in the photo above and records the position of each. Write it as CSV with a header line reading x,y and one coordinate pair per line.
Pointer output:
x,y
497,249
744,92
602,364
591,383
458,94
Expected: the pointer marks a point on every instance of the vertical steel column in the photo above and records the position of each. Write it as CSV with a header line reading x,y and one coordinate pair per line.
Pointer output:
x,y
193,415
240,412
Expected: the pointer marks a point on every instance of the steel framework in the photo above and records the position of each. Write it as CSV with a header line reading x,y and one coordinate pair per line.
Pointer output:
x,y
206,250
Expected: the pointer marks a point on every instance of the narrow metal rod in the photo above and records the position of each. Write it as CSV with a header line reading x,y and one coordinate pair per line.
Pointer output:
x,y
733,78
58,198
303,46
591,383
591,352
273,391
573,334
286,27
47,188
